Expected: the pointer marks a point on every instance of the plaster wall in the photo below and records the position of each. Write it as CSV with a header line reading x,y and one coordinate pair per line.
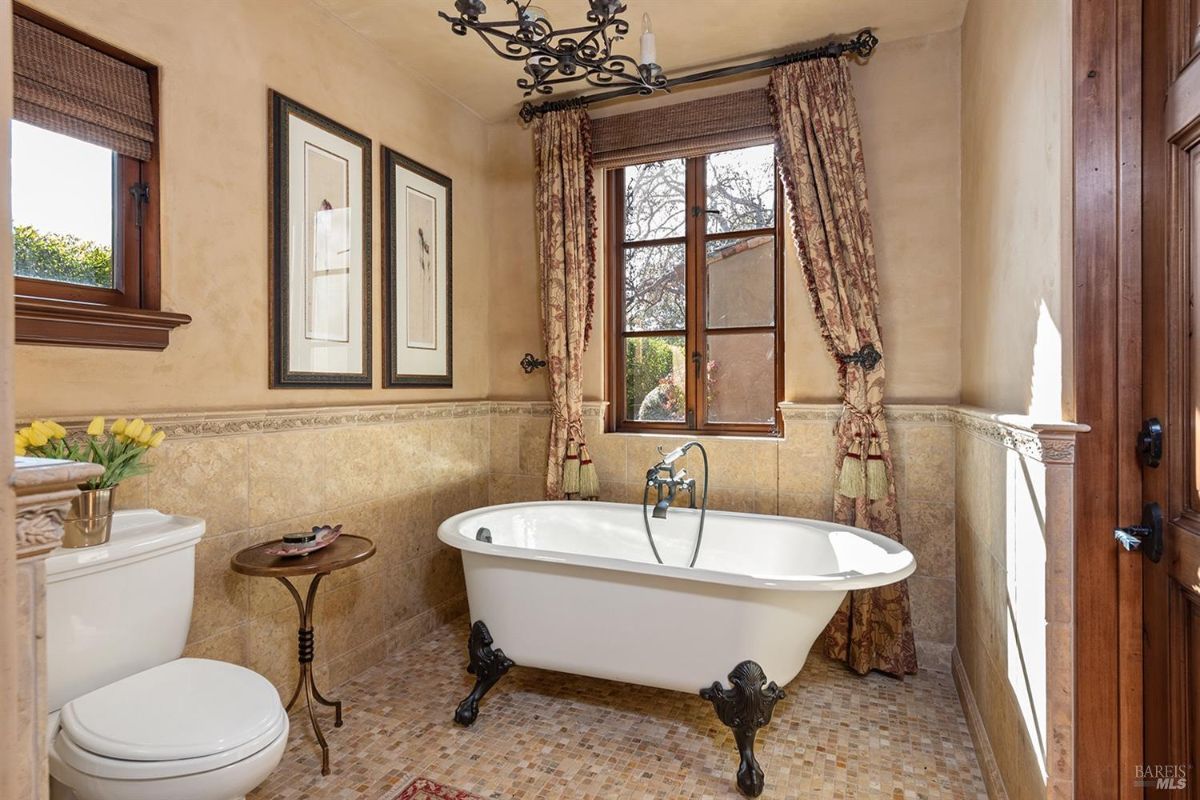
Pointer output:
x,y
217,61
908,104
1016,349
1014,539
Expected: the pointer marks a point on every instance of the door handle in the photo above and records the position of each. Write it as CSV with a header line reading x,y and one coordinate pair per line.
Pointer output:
x,y
1147,537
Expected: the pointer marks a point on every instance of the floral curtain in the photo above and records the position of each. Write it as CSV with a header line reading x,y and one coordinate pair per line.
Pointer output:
x,y
819,150
566,225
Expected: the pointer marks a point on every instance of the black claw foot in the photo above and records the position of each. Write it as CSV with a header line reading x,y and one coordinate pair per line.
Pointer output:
x,y
745,707
487,665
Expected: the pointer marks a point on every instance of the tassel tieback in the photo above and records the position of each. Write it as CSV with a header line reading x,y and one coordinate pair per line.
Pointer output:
x,y
570,477
877,478
852,480
589,481
864,471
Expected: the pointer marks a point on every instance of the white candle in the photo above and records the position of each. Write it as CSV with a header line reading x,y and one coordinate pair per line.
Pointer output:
x,y
649,52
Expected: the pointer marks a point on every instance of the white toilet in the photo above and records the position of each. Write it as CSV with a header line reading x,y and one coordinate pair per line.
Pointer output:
x,y
131,720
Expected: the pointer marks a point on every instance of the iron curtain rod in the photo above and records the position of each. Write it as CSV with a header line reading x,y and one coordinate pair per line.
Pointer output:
x,y
862,45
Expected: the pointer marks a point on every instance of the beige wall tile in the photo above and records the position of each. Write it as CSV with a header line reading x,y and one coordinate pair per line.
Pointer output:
x,y
533,441
505,444
808,505
515,489
207,478
228,645
289,473
344,667
610,457
405,451
932,608
454,451
805,473
221,594
359,465
407,527
928,530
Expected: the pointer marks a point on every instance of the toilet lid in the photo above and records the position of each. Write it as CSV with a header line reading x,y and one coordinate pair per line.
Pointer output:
x,y
188,708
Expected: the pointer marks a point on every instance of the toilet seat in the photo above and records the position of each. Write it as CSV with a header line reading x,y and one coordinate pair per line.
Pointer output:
x,y
180,718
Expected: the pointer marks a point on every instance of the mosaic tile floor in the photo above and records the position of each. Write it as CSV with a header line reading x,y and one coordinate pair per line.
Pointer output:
x,y
544,735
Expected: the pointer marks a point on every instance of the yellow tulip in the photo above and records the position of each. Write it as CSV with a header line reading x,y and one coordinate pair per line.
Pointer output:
x,y
18,450
59,432
42,428
118,427
145,436
157,438
20,443
34,436
133,429
96,428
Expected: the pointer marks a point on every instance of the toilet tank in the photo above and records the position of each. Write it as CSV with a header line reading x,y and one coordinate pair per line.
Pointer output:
x,y
122,607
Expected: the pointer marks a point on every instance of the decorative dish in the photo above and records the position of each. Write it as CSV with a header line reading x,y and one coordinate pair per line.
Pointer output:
x,y
303,543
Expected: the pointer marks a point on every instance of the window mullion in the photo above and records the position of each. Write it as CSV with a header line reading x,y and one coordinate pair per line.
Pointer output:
x,y
695,254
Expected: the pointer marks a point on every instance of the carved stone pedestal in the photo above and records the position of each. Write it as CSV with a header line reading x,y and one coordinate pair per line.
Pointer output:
x,y
44,490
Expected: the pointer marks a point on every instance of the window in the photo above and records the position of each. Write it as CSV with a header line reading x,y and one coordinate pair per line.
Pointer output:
x,y
84,191
695,302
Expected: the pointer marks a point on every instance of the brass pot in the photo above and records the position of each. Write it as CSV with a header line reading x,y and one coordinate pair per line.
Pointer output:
x,y
89,522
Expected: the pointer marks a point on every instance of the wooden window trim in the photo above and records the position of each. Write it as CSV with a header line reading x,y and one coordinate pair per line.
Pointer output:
x,y
128,315
697,333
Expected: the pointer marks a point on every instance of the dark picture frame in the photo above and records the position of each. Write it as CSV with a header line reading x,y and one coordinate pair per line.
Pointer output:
x,y
408,364
353,321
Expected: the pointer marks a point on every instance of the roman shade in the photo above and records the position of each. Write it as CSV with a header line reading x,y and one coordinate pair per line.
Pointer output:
x,y
76,90
683,130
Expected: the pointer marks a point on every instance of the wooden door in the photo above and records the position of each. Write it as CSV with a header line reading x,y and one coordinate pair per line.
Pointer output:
x,y
1171,395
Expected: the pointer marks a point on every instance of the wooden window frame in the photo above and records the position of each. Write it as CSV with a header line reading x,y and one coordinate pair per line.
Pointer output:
x,y
697,332
129,315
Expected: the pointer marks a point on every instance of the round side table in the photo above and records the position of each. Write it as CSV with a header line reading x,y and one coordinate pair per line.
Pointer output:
x,y
345,551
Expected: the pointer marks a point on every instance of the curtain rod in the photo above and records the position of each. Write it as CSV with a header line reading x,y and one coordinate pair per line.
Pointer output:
x,y
862,45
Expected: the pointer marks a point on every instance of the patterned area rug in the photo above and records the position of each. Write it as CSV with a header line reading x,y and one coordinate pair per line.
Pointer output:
x,y
425,789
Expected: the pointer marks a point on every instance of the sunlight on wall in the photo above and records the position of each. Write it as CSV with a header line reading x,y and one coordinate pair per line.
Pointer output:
x,y
1046,372
1025,550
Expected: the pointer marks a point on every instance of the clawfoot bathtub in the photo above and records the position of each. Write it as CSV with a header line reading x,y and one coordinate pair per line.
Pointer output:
x,y
574,587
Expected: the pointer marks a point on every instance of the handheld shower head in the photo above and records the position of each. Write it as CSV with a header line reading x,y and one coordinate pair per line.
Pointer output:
x,y
676,454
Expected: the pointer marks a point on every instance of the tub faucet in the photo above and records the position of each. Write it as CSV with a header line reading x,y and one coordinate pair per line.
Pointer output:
x,y
666,482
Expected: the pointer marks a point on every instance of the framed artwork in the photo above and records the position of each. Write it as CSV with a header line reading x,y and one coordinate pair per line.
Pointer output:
x,y
320,218
418,328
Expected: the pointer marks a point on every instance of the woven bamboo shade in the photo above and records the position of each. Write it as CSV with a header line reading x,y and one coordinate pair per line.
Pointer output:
x,y
683,130
70,88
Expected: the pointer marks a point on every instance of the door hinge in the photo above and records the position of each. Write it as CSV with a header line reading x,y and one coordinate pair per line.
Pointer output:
x,y
1147,537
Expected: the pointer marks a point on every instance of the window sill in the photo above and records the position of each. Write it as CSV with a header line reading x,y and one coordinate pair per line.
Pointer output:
x,y
728,433
66,323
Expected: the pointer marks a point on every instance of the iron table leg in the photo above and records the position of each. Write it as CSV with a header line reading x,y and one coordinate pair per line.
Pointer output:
x,y
305,683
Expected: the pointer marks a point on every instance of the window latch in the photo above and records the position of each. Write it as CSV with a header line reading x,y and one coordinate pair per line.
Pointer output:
x,y
698,210
141,196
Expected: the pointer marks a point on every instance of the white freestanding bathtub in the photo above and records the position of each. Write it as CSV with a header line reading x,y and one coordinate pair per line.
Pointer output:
x,y
574,587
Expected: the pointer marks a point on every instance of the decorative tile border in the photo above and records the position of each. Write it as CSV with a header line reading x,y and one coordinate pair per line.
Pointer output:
x,y
1051,442
935,414
541,408
1047,442
234,423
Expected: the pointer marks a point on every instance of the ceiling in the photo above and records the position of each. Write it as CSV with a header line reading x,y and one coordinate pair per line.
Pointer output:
x,y
689,33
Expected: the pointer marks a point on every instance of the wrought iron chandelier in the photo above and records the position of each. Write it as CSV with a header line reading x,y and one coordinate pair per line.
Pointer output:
x,y
554,57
